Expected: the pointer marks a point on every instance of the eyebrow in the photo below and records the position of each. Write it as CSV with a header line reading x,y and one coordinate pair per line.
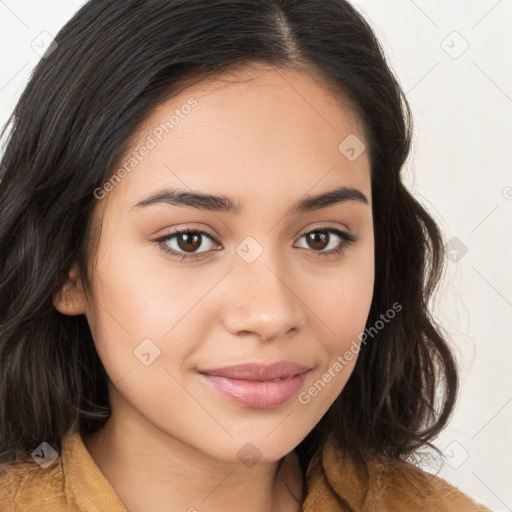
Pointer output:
x,y
225,204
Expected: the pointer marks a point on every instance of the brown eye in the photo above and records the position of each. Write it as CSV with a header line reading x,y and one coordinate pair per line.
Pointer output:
x,y
317,239
189,242
320,239
186,243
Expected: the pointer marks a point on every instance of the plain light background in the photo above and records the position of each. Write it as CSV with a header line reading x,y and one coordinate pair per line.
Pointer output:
x,y
453,59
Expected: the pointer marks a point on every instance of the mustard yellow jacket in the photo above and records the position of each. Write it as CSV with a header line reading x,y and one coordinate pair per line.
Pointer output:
x,y
335,482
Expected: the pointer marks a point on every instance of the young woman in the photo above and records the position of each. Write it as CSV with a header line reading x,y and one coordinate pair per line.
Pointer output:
x,y
214,285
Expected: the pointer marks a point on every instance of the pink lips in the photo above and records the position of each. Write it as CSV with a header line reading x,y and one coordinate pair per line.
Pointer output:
x,y
256,385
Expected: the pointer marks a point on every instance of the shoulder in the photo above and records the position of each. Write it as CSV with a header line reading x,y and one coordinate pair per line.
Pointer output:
x,y
401,484
26,486
387,485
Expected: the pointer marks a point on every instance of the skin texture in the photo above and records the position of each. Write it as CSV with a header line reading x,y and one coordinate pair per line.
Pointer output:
x,y
266,140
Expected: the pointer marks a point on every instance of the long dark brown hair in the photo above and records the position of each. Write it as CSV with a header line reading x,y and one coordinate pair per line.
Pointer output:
x,y
116,60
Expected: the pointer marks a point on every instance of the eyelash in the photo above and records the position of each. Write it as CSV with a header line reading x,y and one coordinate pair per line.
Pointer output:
x,y
347,239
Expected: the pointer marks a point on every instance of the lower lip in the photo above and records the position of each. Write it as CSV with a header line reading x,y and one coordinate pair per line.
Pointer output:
x,y
257,394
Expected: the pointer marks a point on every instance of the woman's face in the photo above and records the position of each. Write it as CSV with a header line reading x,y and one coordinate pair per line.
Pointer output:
x,y
267,286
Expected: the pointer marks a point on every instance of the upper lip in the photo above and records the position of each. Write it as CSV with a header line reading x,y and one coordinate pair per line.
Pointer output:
x,y
256,371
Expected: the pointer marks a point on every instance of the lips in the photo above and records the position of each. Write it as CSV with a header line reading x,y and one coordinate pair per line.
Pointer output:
x,y
254,371
256,385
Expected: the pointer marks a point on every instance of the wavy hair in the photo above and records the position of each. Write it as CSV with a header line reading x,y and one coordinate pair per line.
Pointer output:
x,y
115,61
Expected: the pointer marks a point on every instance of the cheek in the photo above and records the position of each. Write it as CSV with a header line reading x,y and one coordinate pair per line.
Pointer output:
x,y
343,313
136,315
341,300
345,303
138,292
341,305
143,337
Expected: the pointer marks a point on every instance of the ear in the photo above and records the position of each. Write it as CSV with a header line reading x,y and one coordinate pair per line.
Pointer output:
x,y
69,300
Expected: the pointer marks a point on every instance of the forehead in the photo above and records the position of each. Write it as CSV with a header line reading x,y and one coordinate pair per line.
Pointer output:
x,y
259,128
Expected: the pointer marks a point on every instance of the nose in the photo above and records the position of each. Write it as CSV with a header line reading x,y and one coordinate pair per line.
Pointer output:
x,y
263,300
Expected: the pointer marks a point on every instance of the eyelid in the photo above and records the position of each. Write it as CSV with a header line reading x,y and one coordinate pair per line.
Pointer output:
x,y
213,238
347,238
319,226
